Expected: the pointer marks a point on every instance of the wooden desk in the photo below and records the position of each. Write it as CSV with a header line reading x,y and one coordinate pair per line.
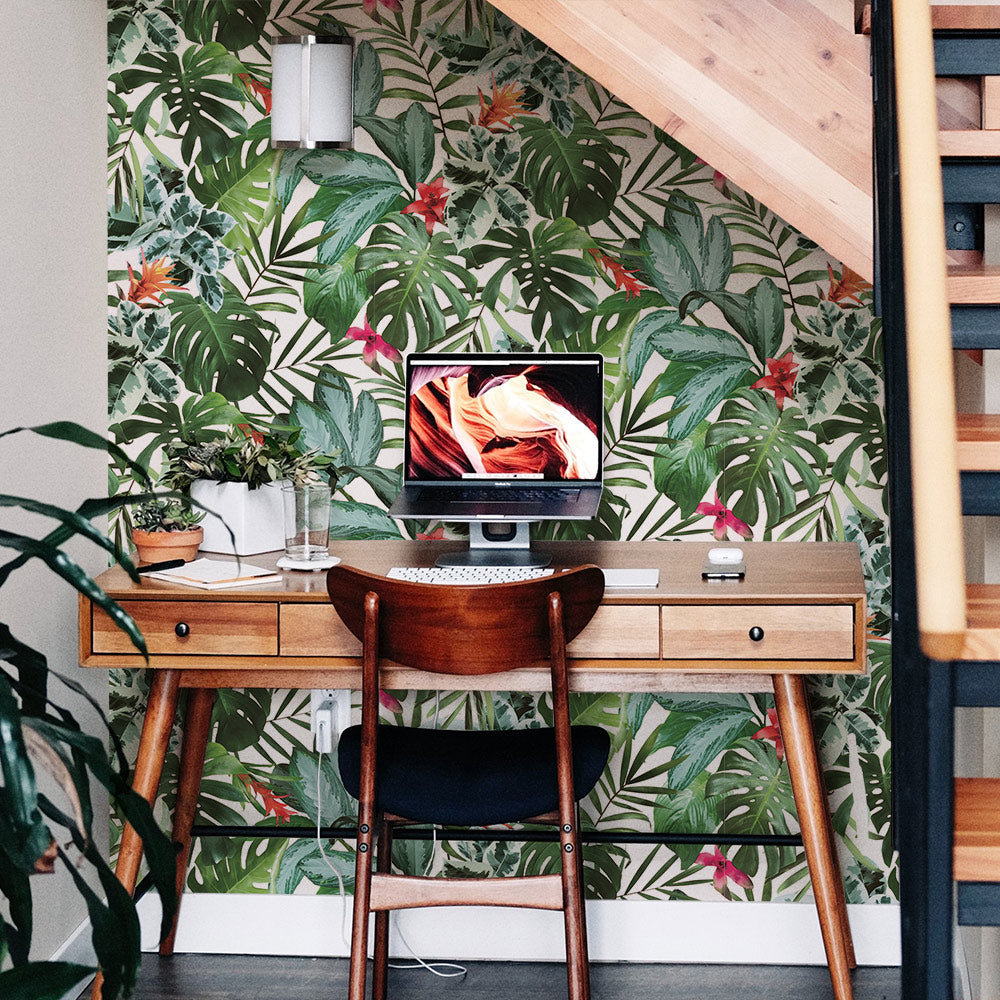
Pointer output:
x,y
687,634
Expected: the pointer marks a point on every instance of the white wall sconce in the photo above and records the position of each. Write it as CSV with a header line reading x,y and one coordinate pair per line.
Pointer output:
x,y
312,92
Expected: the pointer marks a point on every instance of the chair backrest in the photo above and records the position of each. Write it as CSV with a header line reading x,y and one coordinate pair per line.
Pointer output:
x,y
478,629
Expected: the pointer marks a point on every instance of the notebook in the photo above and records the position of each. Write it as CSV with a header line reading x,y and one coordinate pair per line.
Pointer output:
x,y
215,574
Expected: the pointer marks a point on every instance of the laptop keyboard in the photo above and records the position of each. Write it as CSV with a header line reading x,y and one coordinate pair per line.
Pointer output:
x,y
464,575
492,494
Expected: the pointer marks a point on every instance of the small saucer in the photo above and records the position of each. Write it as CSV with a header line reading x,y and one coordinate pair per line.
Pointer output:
x,y
309,565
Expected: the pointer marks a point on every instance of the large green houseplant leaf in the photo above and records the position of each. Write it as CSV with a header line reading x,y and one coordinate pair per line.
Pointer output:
x,y
32,824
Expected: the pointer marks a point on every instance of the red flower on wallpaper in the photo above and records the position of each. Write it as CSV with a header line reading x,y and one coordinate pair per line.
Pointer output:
x,y
781,378
431,203
436,535
621,275
847,289
374,345
772,732
724,520
264,93
505,103
725,871
153,282
718,177
272,803
249,432
371,8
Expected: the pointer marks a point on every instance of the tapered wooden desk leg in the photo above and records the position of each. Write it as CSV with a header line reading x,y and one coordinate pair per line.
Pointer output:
x,y
161,710
792,707
196,724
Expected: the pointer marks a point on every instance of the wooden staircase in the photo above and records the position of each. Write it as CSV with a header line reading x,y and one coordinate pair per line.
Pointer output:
x,y
775,94
943,464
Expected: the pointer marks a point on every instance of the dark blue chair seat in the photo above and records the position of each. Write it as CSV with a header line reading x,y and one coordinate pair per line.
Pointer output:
x,y
460,778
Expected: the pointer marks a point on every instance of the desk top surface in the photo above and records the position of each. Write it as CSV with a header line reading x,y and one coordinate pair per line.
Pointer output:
x,y
777,572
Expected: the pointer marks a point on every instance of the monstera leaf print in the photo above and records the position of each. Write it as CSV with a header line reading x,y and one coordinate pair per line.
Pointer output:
x,y
235,24
226,351
760,446
334,294
409,274
200,104
543,264
576,175
685,470
238,184
752,793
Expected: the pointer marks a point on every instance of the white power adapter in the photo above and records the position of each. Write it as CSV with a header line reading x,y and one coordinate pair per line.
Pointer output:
x,y
330,711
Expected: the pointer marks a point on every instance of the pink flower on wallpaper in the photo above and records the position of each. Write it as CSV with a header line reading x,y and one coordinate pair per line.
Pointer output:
x,y
772,732
431,203
725,519
725,871
371,7
390,702
781,378
374,345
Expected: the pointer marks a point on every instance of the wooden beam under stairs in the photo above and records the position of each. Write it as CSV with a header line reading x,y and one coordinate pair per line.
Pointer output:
x,y
775,94
979,442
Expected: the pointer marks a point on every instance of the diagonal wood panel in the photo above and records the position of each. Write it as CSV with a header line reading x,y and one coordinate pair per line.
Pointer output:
x,y
775,94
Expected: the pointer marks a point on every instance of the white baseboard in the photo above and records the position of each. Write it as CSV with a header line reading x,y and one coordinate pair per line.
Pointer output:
x,y
618,931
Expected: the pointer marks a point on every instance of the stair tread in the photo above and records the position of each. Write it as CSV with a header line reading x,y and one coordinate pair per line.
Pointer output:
x,y
965,17
976,853
969,142
981,639
969,284
978,442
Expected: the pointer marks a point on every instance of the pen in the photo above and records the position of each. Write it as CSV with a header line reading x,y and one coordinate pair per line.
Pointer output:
x,y
167,564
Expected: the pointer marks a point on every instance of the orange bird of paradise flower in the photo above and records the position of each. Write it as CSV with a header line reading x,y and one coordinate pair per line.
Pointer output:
x,y
505,103
154,281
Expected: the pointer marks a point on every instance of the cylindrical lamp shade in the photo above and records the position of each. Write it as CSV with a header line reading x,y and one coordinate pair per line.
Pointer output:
x,y
312,92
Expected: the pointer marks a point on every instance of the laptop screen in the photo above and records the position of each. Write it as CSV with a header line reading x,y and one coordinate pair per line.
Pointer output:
x,y
503,417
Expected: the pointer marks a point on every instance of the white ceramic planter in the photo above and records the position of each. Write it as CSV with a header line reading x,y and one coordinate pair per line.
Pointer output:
x,y
254,516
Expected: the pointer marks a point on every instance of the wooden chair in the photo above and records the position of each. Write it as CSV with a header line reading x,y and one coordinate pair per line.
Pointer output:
x,y
464,778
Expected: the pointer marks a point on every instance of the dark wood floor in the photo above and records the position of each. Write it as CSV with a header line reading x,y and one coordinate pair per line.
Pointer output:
x,y
239,977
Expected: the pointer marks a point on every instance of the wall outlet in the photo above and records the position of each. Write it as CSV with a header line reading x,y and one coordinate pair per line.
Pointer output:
x,y
330,712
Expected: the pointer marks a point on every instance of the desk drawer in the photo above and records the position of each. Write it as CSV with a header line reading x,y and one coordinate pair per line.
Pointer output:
x,y
615,633
790,632
620,632
315,630
214,628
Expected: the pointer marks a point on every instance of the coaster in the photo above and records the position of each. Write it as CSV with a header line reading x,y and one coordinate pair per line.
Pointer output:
x,y
308,565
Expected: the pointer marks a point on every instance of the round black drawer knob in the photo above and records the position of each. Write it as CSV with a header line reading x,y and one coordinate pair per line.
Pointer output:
x,y
756,633
182,630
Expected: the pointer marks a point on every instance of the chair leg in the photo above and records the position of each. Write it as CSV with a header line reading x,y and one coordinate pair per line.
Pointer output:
x,y
577,965
380,955
359,928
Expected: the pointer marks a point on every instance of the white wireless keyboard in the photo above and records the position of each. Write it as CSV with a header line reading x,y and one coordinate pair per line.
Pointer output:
x,y
464,575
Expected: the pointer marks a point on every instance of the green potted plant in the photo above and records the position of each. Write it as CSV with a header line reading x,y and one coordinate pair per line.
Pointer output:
x,y
38,831
238,476
166,529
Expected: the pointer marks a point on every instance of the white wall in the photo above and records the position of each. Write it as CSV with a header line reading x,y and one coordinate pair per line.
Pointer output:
x,y
52,328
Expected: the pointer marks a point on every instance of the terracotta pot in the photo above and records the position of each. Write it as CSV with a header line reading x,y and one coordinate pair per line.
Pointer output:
x,y
158,546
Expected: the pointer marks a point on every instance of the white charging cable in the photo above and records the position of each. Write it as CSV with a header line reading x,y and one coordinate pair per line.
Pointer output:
x,y
418,963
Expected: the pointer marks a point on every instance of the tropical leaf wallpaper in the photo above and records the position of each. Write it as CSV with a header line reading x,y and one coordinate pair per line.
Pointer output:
x,y
497,200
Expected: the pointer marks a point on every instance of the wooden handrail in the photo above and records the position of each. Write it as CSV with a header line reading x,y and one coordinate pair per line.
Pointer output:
x,y
937,509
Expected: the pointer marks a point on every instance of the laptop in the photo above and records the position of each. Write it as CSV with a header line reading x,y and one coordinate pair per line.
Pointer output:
x,y
498,437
